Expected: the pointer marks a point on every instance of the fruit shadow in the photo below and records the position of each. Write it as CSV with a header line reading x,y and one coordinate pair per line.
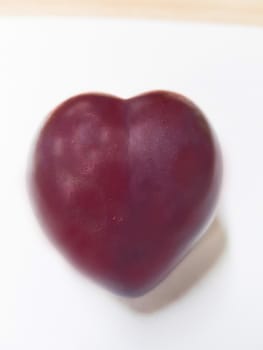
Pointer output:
x,y
186,275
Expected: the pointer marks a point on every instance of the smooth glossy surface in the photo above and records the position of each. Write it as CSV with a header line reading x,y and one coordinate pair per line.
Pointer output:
x,y
124,187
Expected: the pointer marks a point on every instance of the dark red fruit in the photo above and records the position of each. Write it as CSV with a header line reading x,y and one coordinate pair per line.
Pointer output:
x,y
125,187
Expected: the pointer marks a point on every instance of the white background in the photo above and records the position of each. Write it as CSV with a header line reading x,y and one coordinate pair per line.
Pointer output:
x,y
214,299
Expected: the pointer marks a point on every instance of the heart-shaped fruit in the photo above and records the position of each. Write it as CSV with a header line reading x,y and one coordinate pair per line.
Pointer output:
x,y
125,187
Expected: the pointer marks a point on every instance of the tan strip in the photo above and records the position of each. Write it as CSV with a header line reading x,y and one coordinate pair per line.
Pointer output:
x,y
229,11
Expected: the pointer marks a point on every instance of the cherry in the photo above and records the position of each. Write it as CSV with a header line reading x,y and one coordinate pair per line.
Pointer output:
x,y
125,187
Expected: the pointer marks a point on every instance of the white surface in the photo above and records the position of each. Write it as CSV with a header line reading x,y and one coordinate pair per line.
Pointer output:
x,y
215,298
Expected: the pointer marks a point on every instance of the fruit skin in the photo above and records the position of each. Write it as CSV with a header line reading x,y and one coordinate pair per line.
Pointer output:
x,y
125,187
